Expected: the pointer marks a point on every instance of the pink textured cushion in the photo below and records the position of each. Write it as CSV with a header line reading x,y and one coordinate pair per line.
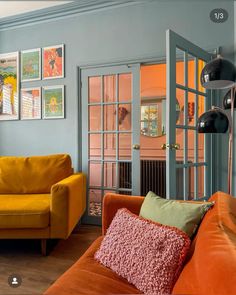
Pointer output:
x,y
149,255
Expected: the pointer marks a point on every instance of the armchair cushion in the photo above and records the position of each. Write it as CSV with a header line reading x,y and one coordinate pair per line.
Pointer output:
x,y
32,175
24,211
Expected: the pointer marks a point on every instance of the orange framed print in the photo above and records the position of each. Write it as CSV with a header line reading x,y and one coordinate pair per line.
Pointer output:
x,y
31,103
53,62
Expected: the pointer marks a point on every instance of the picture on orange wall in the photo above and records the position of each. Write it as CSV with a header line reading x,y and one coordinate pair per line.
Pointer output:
x,y
9,86
53,102
31,103
53,62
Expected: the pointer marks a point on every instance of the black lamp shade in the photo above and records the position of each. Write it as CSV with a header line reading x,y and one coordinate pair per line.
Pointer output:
x,y
227,100
213,121
219,73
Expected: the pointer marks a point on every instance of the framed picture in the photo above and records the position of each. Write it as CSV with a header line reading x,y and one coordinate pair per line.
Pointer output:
x,y
31,103
53,102
9,86
53,62
31,65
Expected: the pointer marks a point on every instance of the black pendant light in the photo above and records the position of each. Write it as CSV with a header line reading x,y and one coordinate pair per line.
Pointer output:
x,y
213,121
227,100
219,73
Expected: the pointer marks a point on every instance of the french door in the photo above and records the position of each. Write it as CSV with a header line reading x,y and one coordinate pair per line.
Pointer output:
x,y
188,153
110,133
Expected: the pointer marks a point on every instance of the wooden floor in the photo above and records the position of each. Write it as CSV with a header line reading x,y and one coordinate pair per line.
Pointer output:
x,y
23,257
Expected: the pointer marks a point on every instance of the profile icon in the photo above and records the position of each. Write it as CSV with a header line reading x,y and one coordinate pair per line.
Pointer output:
x,y
14,280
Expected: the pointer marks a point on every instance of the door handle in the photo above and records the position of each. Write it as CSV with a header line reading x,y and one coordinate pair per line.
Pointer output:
x,y
172,146
136,146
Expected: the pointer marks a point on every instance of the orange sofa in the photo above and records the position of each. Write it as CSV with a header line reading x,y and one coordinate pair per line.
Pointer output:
x,y
210,267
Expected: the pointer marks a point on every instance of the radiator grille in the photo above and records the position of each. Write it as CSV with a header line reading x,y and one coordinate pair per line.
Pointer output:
x,y
153,178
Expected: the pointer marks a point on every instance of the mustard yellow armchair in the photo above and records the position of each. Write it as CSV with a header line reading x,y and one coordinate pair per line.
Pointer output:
x,y
40,198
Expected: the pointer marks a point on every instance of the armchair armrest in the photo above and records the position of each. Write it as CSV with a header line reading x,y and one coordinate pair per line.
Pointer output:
x,y
113,202
68,203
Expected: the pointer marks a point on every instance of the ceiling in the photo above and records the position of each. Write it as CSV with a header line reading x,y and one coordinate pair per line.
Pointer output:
x,y
11,8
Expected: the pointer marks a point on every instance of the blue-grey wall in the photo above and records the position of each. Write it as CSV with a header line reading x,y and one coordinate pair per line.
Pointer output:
x,y
120,33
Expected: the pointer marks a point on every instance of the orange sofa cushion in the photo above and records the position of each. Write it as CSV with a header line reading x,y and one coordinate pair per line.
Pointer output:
x,y
211,266
24,211
32,175
87,276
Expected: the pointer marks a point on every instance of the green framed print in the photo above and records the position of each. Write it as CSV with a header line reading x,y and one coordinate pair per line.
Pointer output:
x,y
31,103
9,86
31,65
53,102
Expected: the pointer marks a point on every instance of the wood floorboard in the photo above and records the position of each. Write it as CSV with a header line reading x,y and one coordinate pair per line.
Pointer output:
x,y
23,257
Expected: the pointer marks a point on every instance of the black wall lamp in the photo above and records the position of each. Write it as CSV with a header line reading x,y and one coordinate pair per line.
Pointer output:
x,y
220,74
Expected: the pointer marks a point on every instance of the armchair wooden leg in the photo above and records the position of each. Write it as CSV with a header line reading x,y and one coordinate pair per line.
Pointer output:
x,y
44,247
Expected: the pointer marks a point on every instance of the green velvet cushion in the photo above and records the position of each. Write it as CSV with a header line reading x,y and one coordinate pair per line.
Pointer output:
x,y
183,215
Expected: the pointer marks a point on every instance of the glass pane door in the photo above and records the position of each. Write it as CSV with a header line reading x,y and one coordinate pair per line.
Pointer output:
x,y
110,101
188,153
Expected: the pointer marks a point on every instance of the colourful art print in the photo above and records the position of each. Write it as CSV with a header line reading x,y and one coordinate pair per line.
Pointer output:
x,y
9,86
53,62
30,103
53,102
31,65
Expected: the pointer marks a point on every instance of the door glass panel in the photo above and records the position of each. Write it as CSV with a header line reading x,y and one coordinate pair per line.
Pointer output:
x,y
109,117
95,202
109,146
95,174
125,150
201,65
125,84
180,97
191,108
110,88
191,145
201,143
94,146
191,72
179,183
180,142
180,71
94,118
201,104
110,174
191,183
125,175
124,117
94,86
200,181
